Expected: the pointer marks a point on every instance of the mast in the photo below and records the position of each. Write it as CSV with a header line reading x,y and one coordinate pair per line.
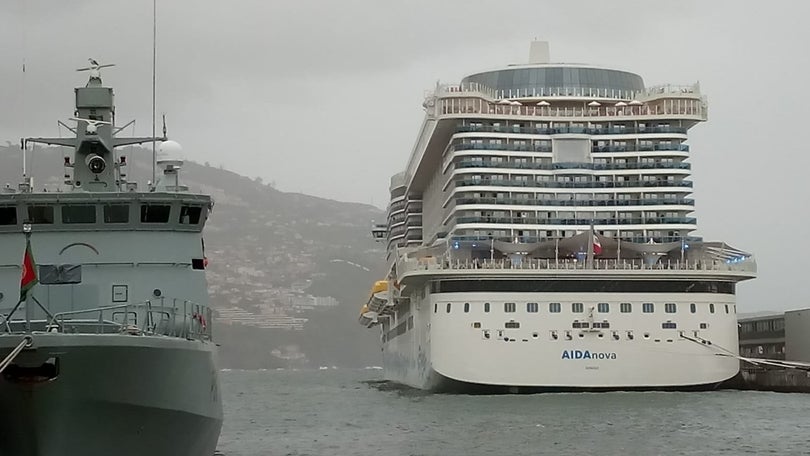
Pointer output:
x,y
154,60
95,137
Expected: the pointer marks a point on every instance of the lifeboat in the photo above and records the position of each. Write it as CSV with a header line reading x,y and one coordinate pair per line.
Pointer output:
x,y
378,304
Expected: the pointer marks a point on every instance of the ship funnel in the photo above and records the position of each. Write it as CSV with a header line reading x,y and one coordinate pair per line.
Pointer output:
x,y
538,52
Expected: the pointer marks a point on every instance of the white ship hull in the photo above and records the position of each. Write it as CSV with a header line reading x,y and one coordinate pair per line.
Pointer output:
x,y
450,351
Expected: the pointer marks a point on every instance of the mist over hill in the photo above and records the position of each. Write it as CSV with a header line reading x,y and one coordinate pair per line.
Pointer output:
x,y
288,272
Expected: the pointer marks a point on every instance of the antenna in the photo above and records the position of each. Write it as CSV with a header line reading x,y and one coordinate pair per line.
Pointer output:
x,y
154,61
22,149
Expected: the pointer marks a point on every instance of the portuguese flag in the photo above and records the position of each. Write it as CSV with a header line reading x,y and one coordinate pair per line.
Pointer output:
x,y
29,272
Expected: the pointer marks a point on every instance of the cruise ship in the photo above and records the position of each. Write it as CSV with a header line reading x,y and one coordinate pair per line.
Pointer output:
x,y
541,238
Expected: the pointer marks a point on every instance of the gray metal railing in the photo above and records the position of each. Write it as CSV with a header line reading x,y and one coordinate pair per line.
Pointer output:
x,y
746,265
163,316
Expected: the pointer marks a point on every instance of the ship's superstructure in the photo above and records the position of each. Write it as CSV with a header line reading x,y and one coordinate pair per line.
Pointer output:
x,y
540,237
111,352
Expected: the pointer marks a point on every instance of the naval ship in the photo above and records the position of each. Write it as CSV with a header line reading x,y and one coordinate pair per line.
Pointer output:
x,y
105,328
540,238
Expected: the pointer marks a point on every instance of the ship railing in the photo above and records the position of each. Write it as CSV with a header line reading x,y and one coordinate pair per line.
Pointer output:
x,y
693,108
162,316
691,90
532,264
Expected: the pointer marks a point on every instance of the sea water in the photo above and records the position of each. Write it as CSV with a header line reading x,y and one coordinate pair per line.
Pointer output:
x,y
353,412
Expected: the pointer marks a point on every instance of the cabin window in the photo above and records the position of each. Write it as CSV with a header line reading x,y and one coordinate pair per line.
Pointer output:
x,y
78,214
486,307
625,307
692,308
532,307
554,307
8,215
711,308
116,213
155,213
577,307
40,214
466,307
726,308
603,307
511,325
449,305
669,325
190,215
670,307
509,307
648,307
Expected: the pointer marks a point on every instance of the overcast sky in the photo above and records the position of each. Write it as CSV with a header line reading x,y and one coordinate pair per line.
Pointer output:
x,y
323,97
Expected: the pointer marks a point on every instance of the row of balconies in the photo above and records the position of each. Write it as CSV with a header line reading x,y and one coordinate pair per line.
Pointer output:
x,y
466,163
575,203
575,221
543,147
638,236
465,182
544,130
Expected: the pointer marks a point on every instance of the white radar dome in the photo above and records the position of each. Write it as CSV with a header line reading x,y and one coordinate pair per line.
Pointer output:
x,y
170,150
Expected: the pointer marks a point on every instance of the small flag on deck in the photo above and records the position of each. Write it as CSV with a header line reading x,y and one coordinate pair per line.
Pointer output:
x,y
597,246
29,271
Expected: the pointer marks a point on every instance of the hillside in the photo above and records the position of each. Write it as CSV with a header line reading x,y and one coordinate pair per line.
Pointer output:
x,y
299,264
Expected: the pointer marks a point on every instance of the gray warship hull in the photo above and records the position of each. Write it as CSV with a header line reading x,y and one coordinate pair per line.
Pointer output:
x,y
105,394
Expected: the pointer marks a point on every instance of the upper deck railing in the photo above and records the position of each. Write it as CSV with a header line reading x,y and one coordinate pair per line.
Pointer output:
x,y
530,264
662,108
663,100
691,90
170,317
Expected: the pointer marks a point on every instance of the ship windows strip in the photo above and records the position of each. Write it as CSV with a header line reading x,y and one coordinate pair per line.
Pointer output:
x,y
589,286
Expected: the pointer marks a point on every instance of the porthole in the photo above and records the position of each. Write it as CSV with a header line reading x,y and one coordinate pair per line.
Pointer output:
x,y
157,293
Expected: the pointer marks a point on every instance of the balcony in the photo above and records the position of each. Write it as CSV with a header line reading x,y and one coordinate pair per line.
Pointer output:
x,y
562,130
462,164
551,184
692,109
547,148
531,239
642,148
578,203
578,222
506,146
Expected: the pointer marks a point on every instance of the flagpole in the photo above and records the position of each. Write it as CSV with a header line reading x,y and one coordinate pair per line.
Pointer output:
x,y
556,251
28,311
